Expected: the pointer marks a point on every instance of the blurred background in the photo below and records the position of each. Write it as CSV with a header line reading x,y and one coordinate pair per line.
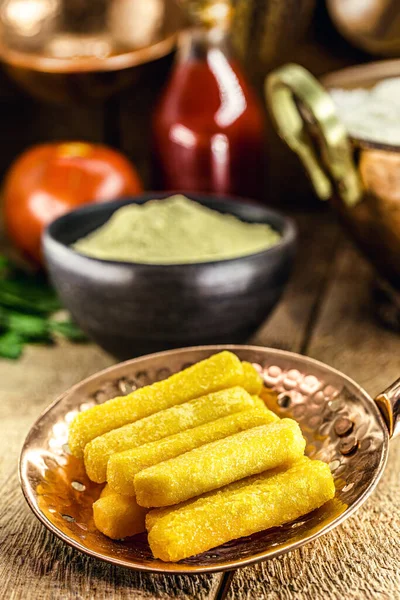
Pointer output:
x,y
94,70
175,90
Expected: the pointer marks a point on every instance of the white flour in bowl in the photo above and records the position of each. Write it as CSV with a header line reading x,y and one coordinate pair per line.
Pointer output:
x,y
371,114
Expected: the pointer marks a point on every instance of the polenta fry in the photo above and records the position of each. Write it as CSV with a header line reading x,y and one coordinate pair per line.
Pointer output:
x,y
269,500
219,463
123,466
162,424
220,371
260,405
118,516
106,491
252,380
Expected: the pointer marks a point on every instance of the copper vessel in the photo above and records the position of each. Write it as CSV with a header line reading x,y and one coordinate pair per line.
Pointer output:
x,y
373,25
342,425
63,50
360,178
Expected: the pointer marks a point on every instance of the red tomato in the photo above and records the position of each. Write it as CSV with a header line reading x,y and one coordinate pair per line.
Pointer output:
x,y
49,180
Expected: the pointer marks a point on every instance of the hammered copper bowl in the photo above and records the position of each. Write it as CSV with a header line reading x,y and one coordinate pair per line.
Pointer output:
x,y
131,309
340,421
361,179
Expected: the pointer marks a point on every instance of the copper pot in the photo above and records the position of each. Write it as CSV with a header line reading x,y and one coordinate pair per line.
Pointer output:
x,y
69,50
361,179
372,25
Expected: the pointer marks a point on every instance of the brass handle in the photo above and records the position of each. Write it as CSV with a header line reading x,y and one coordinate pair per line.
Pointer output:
x,y
285,89
389,404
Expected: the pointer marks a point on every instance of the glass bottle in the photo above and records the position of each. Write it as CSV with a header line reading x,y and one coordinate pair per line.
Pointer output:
x,y
208,127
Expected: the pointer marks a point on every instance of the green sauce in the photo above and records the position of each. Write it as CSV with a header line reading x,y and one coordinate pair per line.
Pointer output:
x,y
175,230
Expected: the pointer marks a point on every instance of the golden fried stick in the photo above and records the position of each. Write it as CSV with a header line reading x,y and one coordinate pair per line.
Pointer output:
x,y
106,491
220,371
268,500
252,380
260,405
118,516
156,513
162,424
219,463
123,466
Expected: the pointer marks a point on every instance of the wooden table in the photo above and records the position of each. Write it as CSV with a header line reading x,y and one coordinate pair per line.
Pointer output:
x,y
326,313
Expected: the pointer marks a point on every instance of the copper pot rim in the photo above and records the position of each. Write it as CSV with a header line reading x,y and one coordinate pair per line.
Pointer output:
x,y
50,65
177,568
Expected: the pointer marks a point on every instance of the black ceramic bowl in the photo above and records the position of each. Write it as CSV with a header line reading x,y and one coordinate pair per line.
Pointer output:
x,y
131,309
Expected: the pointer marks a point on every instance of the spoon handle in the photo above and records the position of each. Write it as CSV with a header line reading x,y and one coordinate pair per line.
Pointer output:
x,y
389,405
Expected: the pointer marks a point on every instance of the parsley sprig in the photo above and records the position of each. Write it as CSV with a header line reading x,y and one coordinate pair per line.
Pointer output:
x,y
27,312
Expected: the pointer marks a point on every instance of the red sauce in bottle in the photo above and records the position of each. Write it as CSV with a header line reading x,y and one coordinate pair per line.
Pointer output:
x,y
208,128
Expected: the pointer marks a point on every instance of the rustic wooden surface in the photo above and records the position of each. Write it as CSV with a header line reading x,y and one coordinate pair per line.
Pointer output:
x,y
326,313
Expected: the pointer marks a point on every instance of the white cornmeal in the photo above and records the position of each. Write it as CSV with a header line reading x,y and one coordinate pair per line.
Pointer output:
x,y
372,114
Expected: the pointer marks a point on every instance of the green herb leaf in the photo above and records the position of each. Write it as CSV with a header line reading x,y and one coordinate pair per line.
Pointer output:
x,y
11,345
28,296
26,303
68,329
29,327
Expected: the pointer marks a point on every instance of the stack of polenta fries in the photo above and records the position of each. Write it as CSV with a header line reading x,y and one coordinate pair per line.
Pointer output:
x,y
197,460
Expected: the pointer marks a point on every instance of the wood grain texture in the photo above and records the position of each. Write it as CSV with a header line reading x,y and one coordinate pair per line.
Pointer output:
x,y
325,312
30,557
359,560
288,326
